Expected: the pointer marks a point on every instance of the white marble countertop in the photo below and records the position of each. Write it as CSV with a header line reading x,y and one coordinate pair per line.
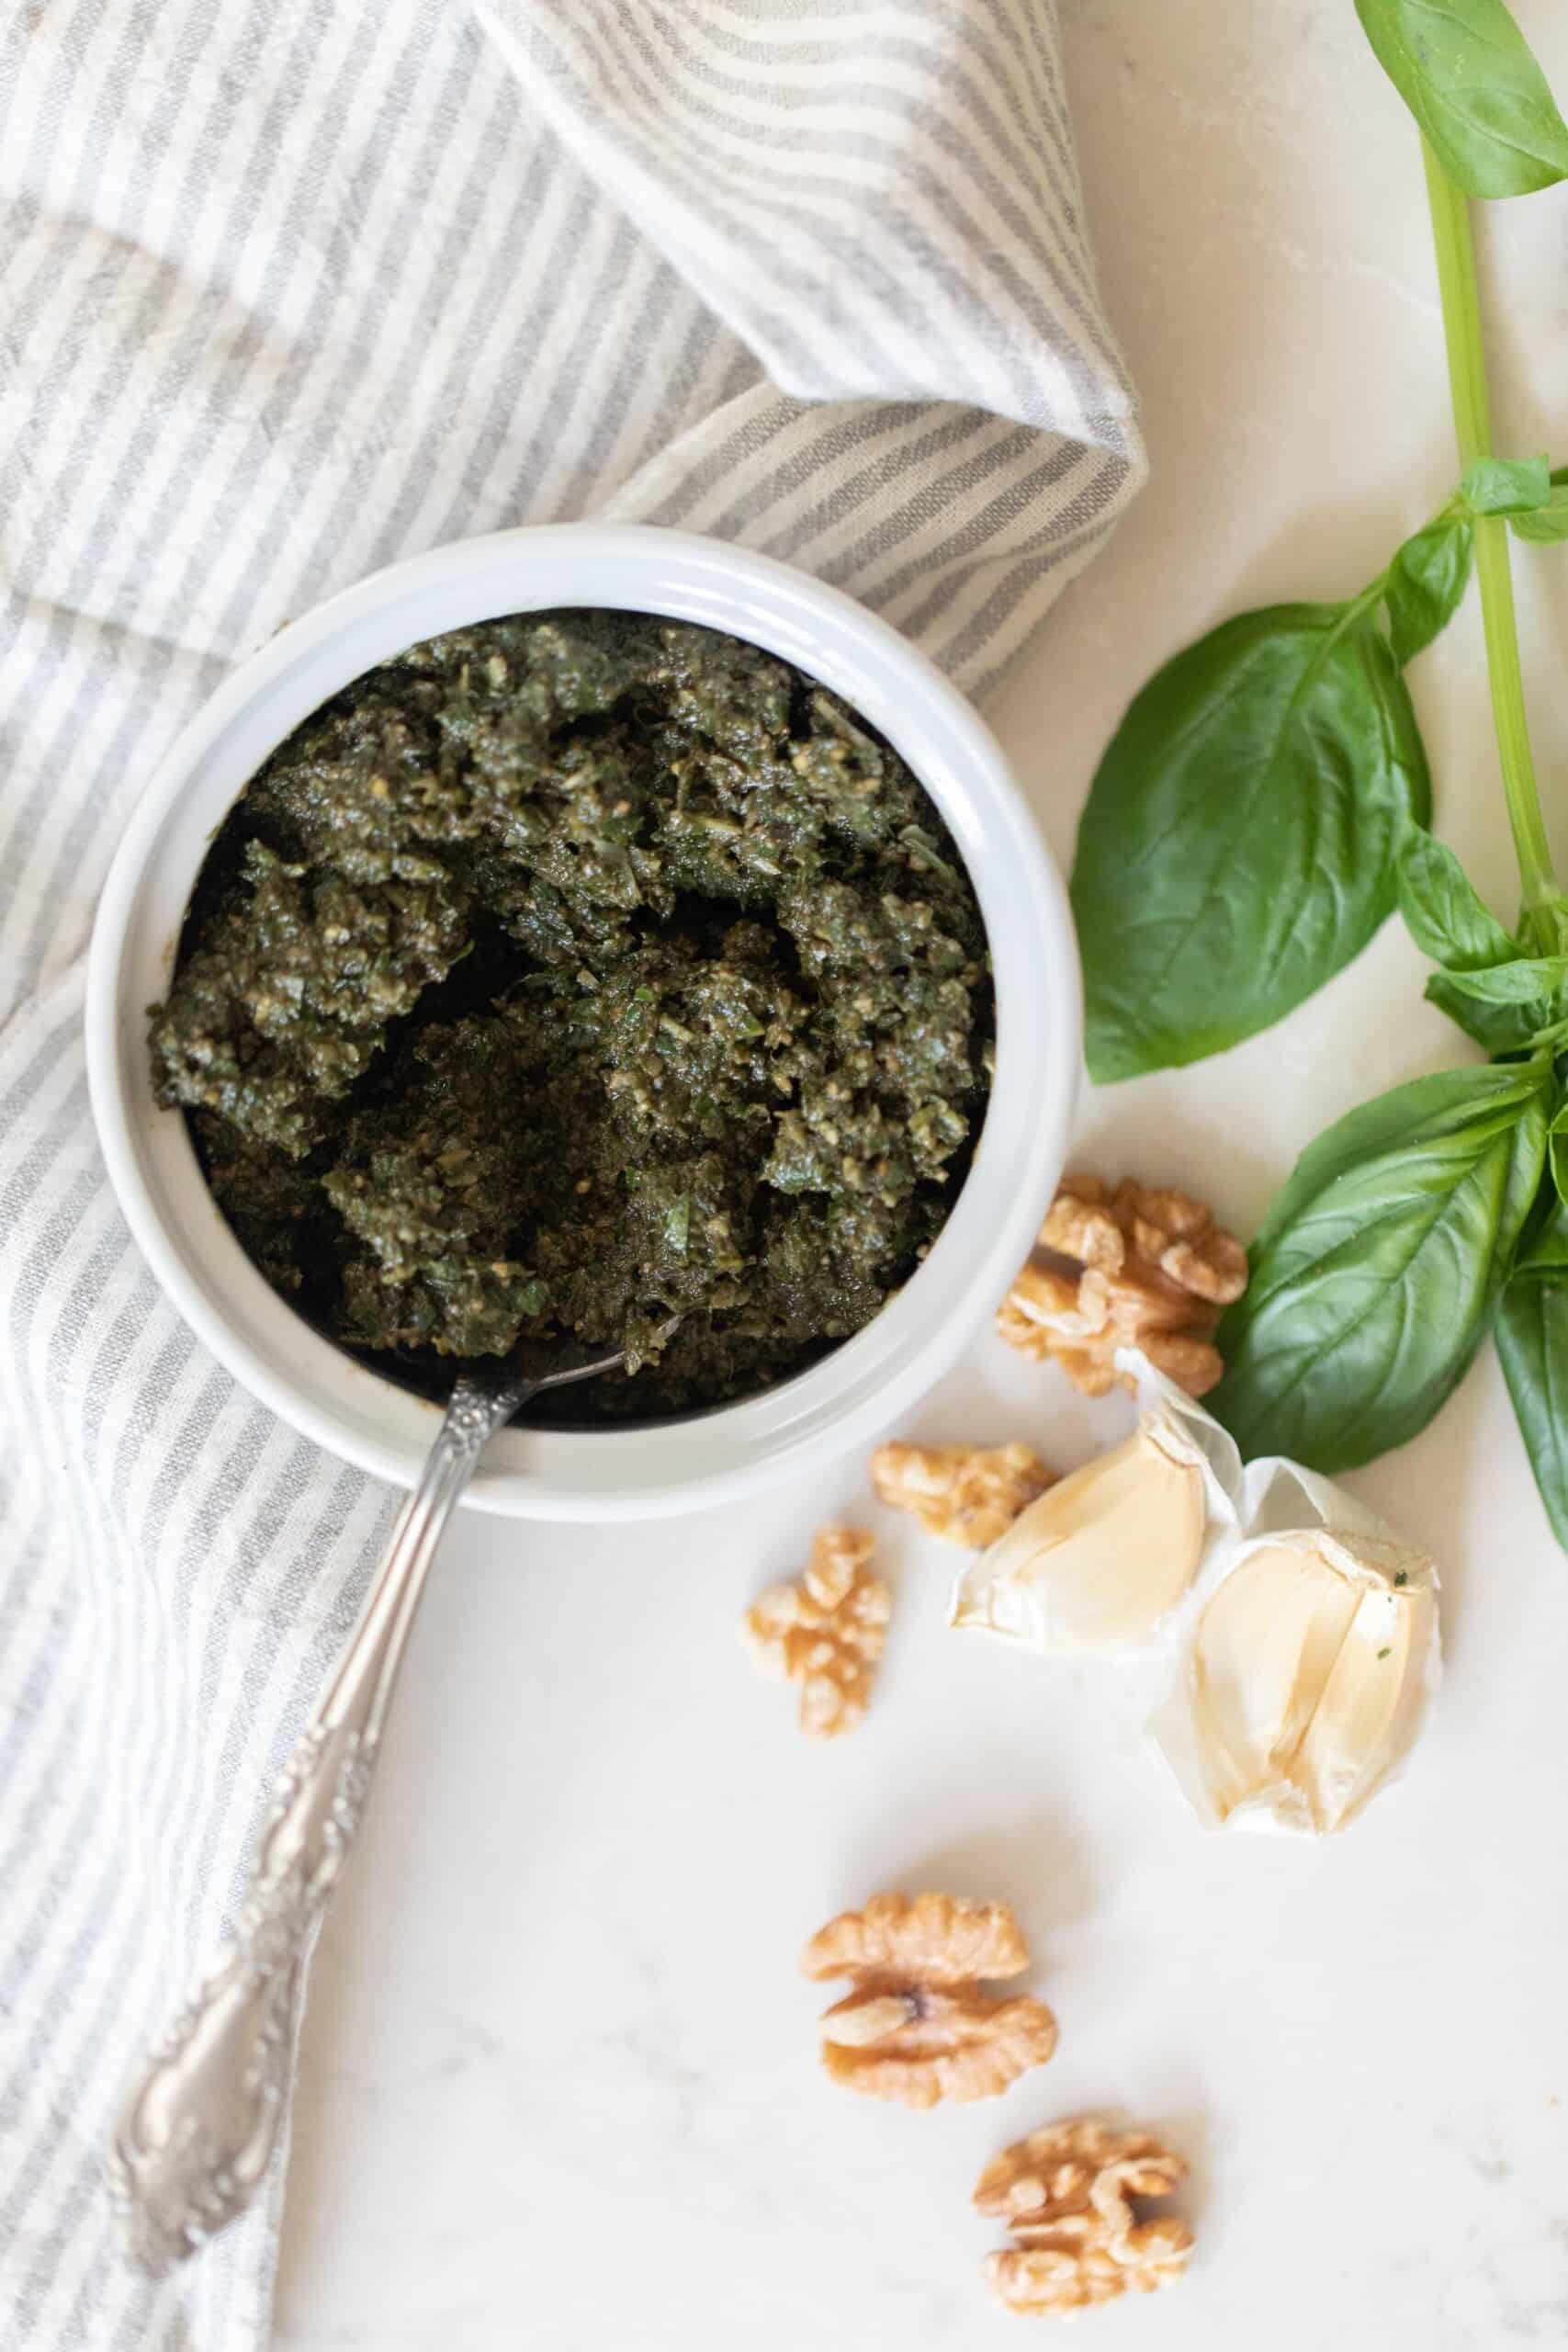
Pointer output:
x,y
560,2083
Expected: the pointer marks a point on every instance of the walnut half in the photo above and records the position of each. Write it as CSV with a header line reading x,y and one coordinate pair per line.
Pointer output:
x,y
1146,1268
826,1633
917,2028
965,1494
1066,2195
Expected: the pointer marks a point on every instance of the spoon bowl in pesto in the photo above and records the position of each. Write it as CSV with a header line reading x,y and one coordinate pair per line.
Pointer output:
x,y
563,933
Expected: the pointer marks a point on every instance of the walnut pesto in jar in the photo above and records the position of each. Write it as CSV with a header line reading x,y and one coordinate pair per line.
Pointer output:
x,y
571,972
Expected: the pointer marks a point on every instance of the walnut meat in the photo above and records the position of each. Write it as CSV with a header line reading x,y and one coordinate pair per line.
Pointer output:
x,y
1145,1268
1066,2195
965,1494
827,1632
917,2028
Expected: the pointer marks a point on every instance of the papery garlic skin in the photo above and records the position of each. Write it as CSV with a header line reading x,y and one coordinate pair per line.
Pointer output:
x,y
1310,1664
1103,1557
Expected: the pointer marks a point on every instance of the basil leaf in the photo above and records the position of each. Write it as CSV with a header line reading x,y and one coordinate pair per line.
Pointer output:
x,y
1506,485
1464,70
1556,1159
1532,1340
1442,912
1526,979
1240,838
1504,1006
1547,1252
1379,1267
1547,524
1425,583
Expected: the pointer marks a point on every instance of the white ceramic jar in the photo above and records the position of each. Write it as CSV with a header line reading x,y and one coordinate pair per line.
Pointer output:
x,y
615,1473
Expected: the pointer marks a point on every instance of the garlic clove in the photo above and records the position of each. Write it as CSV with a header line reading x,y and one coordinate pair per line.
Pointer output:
x,y
1102,1557
1370,1709
1264,1647
1309,1672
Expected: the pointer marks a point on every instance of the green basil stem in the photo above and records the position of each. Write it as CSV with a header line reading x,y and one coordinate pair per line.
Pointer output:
x,y
1467,383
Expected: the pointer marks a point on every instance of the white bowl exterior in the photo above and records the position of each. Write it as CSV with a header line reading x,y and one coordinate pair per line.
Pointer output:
x,y
863,1384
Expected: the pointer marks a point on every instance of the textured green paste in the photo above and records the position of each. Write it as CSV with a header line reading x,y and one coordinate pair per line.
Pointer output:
x,y
571,972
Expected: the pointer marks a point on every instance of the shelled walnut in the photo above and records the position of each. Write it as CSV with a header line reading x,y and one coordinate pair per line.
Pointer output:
x,y
917,2028
1149,1268
827,1632
1066,2195
965,1494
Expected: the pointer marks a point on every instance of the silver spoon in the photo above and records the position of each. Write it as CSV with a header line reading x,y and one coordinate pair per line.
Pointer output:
x,y
200,2122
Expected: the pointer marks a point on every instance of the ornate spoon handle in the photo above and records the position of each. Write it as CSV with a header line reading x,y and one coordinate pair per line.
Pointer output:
x,y
200,2123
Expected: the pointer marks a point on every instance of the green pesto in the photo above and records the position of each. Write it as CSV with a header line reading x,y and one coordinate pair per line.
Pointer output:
x,y
574,971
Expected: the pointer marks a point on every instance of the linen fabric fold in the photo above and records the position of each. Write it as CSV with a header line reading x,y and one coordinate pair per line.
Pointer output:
x,y
290,291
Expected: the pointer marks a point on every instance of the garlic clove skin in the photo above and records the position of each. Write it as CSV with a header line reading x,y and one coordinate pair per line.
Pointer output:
x,y
1310,1664
1101,1558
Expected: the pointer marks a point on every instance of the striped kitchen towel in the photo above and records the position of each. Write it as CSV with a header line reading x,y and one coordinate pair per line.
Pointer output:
x,y
291,288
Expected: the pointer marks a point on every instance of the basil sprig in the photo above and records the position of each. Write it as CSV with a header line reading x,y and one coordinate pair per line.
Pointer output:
x,y
1264,805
